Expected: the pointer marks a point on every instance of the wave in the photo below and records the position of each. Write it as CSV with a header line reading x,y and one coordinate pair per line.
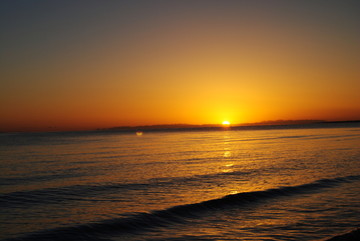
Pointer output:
x,y
8,181
176,214
30,198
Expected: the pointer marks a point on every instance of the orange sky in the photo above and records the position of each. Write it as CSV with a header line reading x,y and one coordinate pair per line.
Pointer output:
x,y
85,65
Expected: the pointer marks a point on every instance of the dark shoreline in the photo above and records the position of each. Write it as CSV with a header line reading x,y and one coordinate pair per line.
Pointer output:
x,y
350,236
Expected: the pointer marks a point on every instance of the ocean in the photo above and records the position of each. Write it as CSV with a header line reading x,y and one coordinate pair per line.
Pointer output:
x,y
275,184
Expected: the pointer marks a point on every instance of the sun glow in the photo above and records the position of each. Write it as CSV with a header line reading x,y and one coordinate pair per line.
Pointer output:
x,y
226,123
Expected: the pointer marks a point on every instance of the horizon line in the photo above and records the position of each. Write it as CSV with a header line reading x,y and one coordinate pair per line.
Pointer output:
x,y
194,126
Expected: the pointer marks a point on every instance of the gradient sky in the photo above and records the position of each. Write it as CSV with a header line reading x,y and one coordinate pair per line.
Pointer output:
x,y
69,65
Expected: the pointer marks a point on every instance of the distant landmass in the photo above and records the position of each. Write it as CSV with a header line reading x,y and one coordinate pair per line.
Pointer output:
x,y
283,122
257,125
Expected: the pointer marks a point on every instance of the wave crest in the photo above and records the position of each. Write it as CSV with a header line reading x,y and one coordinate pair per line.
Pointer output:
x,y
176,214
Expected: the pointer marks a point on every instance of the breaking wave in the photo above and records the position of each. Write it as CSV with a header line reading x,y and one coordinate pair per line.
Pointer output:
x,y
177,214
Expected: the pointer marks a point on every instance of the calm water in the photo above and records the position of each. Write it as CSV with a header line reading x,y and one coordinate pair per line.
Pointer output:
x,y
296,184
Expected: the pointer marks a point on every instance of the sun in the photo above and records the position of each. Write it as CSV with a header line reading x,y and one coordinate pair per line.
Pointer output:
x,y
226,123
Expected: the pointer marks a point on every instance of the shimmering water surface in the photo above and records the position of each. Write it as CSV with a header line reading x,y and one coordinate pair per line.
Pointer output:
x,y
294,184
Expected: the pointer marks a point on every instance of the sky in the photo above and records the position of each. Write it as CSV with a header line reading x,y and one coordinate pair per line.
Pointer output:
x,y
77,65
